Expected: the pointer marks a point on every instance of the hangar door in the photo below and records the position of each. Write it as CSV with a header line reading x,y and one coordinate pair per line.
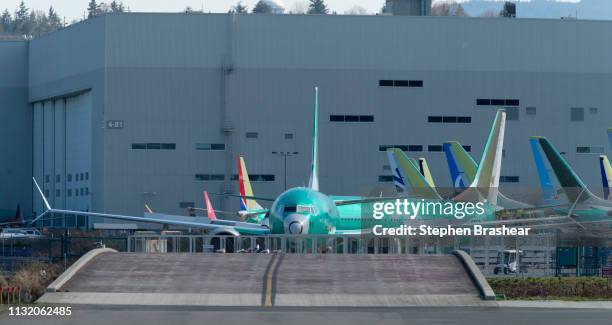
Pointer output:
x,y
62,156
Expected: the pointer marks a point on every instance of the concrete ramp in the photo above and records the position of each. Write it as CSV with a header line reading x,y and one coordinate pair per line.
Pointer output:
x,y
269,280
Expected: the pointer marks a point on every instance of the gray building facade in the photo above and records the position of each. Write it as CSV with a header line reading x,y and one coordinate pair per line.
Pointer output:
x,y
124,110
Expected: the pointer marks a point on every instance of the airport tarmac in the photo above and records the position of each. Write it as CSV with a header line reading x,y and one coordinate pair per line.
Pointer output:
x,y
94,315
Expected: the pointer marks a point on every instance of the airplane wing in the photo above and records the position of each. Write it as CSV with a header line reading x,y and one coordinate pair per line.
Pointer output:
x,y
166,219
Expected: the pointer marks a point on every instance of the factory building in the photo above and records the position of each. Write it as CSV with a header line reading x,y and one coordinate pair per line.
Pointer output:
x,y
124,110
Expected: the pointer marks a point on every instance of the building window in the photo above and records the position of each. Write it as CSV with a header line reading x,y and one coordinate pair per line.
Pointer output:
x,y
593,150
449,119
497,102
288,136
57,178
46,178
209,177
47,193
210,146
434,148
86,176
257,177
351,118
400,83
577,114
402,147
68,192
69,177
512,113
386,167
593,110
415,83
58,193
483,102
153,146
530,110
467,148
508,179
385,178
252,135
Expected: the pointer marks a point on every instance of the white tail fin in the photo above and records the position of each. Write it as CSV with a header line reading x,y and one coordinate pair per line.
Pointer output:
x,y
313,183
487,174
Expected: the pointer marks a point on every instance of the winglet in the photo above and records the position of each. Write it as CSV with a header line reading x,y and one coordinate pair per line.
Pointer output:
x,y
209,208
313,183
47,205
489,168
606,175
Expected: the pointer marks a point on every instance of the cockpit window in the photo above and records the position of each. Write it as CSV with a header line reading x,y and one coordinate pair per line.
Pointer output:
x,y
307,209
290,209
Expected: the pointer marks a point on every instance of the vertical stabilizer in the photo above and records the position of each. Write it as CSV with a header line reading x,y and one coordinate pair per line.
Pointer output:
x,y
209,208
461,165
424,168
610,136
574,187
548,189
244,185
489,168
313,183
411,174
606,176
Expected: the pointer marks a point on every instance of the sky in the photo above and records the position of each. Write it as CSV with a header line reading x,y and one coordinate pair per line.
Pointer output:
x,y
71,9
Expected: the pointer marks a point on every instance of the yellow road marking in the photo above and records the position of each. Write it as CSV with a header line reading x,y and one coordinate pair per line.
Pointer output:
x,y
269,277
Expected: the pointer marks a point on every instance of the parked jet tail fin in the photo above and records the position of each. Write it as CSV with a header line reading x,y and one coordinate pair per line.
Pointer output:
x,y
313,183
610,136
487,174
424,169
574,187
606,175
246,190
460,164
412,175
399,179
548,189
209,208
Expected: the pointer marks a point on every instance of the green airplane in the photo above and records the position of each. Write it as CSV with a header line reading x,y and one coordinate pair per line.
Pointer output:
x,y
306,210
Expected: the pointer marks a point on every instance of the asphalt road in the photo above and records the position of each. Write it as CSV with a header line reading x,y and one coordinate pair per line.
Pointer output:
x,y
93,315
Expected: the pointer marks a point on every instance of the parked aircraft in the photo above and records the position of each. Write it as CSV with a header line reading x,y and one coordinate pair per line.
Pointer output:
x,y
606,175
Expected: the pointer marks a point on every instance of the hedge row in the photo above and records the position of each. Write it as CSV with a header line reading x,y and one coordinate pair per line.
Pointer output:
x,y
543,288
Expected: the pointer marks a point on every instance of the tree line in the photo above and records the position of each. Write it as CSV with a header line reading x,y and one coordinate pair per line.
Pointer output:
x,y
32,23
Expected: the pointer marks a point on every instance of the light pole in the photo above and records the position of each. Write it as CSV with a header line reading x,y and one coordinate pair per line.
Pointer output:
x,y
285,154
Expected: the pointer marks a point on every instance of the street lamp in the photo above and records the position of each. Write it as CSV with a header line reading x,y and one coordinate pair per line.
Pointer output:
x,y
285,154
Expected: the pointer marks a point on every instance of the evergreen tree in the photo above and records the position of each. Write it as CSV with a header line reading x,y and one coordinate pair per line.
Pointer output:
x,y
54,20
317,7
117,6
21,19
93,9
262,8
239,8
6,21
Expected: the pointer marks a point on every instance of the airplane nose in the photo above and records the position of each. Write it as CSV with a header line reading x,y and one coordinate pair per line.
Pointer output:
x,y
295,228
296,224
